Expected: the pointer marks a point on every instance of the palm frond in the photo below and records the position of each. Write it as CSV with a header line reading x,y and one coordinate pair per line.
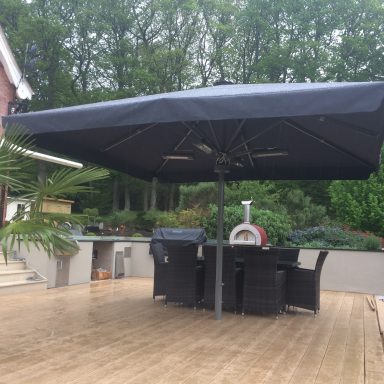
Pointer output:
x,y
42,230
13,161
63,182
51,239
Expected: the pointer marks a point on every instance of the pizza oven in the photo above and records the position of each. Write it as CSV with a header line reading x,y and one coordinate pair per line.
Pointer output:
x,y
247,233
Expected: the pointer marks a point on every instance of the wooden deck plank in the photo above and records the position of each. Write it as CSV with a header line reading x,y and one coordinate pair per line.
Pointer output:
x,y
373,349
380,314
331,367
112,332
353,365
308,367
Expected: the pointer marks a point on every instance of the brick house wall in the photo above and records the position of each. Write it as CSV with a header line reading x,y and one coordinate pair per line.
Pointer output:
x,y
7,92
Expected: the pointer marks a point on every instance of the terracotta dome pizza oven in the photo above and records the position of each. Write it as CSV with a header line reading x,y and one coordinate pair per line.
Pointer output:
x,y
247,233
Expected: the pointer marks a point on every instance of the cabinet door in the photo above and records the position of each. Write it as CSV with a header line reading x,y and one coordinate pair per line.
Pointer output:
x,y
62,271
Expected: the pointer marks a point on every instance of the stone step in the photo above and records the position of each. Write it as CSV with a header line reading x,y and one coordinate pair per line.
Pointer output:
x,y
12,265
9,276
25,286
11,255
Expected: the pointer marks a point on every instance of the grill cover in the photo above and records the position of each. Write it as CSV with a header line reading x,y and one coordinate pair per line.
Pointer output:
x,y
179,236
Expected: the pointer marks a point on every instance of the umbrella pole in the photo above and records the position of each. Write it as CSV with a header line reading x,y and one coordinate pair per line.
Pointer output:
x,y
219,248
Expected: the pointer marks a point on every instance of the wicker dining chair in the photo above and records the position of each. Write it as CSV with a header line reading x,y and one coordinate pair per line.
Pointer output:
x,y
232,278
287,255
264,285
160,270
303,286
185,281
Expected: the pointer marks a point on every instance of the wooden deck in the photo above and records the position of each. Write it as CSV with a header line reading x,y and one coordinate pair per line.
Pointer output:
x,y
112,332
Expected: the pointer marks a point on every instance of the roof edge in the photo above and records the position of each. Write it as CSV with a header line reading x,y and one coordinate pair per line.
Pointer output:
x,y
12,70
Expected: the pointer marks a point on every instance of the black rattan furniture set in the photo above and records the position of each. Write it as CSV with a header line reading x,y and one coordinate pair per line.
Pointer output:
x,y
232,279
255,280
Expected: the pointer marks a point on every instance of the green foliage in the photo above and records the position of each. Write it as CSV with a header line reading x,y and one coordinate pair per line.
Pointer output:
x,y
154,218
91,212
201,195
47,236
137,235
326,237
63,182
198,195
12,160
262,193
360,204
101,198
190,218
94,50
43,230
317,190
372,243
266,195
276,225
167,219
302,212
117,218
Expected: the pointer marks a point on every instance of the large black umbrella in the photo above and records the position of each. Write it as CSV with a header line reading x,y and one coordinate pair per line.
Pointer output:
x,y
262,131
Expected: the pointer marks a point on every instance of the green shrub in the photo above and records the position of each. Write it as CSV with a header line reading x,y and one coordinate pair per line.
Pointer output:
x,y
127,218
91,212
276,225
372,243
147,220
190,218
198,195
167,219
154,218
262,192
302,212
326,237
137,235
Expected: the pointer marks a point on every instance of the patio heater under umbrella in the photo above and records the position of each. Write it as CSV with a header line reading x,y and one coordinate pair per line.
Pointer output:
x,y
302,131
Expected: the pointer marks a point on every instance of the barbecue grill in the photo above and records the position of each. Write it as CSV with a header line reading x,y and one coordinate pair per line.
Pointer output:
x,y
179,236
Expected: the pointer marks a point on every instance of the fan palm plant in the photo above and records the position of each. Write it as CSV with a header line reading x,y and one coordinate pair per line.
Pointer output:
x,y
33,226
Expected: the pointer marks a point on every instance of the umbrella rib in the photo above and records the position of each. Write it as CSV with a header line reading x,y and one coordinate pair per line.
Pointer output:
x,y
248,154
199,136
255,136
175,148
129,137
214,135
237,132
322,140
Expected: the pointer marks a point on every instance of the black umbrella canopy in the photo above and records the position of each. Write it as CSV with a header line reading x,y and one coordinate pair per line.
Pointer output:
x,y
256,131
269,131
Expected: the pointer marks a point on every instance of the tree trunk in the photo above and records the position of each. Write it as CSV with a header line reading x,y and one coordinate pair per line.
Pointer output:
x,y
127,198
115,201
153,193
171,203
3,204
145,198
